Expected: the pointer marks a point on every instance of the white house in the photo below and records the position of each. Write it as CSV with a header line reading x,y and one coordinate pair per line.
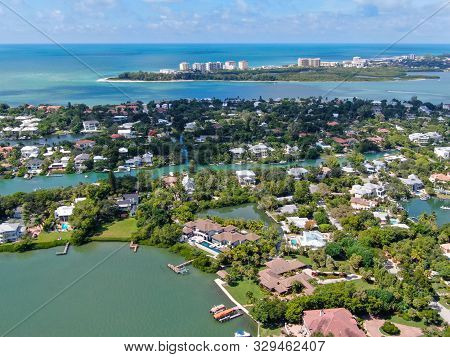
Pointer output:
x,y
425,138
297,172
299,222
29,151
413,182
90,126
126,133
367,190
10,232
442,152
188,184
63,213
237,152
260,150
246,177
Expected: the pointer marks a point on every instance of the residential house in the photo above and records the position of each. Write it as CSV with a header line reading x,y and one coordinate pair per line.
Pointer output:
x,y
188,184
300,222
313,239
147,159
442,152
233,238
28,152
362,204
413,182
63,213
34,166
128,203
338,322
288,209
237,152
260,150
10,232
80,160
368,190
425,138
204,228
84,144
297,172
280,275
246,177
90,126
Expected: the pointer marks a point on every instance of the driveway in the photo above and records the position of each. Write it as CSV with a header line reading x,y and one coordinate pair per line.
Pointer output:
x,y
373,329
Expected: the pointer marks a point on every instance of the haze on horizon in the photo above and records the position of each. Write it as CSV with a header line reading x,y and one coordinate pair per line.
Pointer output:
x,y
222,21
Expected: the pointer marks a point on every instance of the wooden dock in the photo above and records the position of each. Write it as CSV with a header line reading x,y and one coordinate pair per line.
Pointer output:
x,y
66,249
134,246
181,268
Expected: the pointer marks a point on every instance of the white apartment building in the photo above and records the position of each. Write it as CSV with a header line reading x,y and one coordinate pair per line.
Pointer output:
x,y
424,138
442,152
243,65
230,65
184,66
308,62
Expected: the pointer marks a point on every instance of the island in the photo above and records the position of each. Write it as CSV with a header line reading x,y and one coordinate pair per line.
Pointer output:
x,y
282,74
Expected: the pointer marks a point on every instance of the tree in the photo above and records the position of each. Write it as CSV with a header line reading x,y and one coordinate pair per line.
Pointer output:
x,y
112,181
269,311
84,220
250,297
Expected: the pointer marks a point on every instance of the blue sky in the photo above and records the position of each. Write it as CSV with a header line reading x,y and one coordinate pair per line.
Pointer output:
x,y
231,21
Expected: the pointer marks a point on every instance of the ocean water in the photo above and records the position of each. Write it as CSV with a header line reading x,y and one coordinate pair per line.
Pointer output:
x,y
39,74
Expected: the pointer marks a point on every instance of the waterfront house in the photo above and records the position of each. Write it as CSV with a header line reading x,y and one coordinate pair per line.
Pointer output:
x,y
28,152
425,138
260,150
90,126
63,213
237,152
80,160
361,203
10,232
367,190
147,159
204,228
188,184
297,172
34,166
233,238
84,144
128,203
413,182
246,177
280,275
126,133
300,222
288,209
337,322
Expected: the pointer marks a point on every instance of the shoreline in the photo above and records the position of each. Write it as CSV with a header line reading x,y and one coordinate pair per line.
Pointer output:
x,y
111,80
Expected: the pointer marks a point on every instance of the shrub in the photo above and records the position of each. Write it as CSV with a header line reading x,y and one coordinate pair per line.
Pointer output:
x,y
390,329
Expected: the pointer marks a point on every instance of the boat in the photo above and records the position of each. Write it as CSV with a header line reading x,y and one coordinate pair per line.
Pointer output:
x,y
217,308
228,314
242,333
445,207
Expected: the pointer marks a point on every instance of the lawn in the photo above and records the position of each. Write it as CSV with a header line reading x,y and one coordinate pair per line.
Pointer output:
x,y
267,332
45,237
239,291
402,321
305,260
119,230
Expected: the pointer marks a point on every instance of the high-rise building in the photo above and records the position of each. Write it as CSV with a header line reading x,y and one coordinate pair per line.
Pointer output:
x,y
230,65
213,66
184,66
243,65
308,62
199,67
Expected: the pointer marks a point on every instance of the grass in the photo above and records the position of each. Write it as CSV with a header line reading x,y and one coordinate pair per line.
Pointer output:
x,y
118,231
268,332
46,237
362,284
305,260
400,320
239,291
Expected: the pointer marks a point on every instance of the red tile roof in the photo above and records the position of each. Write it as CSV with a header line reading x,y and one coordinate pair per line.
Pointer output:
x,y
338,322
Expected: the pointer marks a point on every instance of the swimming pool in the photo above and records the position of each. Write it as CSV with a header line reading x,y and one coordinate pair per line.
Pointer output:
x,y
64,226
294,242
208,245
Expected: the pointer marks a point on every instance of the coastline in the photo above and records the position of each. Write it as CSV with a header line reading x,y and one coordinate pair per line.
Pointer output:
x,y
111,80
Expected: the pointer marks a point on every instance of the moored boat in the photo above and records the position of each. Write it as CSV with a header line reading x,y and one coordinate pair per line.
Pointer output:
x,y
242,333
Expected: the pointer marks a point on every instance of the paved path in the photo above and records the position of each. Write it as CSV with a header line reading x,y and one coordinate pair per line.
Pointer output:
x,y
443,311
373,329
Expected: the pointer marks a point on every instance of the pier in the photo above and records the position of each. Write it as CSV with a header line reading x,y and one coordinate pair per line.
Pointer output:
x,y
66,249
181,268
134,246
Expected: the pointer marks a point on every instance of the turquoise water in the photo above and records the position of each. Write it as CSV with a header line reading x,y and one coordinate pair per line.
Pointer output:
x,y
38,74
128,294
416,207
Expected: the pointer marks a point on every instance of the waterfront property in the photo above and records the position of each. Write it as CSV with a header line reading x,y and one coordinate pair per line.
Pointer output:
x,y
281,275
10,232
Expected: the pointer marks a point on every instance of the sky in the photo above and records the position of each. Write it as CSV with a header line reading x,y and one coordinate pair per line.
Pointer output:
x,y
224,21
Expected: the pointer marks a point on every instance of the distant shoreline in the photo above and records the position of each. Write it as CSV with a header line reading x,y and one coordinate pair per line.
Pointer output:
x,y
112,80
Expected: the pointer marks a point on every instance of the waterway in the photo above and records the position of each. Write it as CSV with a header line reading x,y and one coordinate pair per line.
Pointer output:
x,y
18,184
126,294
415,207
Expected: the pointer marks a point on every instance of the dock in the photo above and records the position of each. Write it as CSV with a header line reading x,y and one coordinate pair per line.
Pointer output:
x,y
66,249
228,314
181,268
134,246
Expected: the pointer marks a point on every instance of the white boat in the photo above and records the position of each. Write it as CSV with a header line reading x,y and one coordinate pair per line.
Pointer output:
x,y
444,207
242,333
